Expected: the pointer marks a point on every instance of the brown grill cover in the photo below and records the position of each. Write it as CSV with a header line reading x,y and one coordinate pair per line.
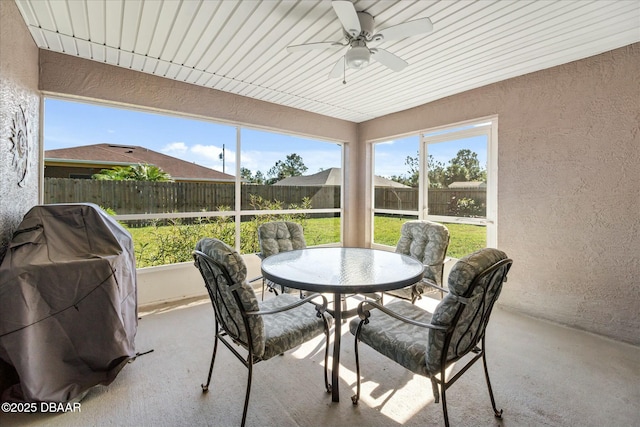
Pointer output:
x,y
68,302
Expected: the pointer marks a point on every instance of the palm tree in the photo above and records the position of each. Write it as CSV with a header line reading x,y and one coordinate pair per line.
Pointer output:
x,y
139,172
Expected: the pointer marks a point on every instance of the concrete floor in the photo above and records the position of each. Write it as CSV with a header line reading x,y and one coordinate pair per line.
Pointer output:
x,y
542,374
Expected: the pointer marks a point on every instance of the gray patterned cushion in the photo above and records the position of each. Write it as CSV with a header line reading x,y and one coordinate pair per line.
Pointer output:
x,y
272,334
460,278
237,269
289,329
419,349
427,242
399,341
280,236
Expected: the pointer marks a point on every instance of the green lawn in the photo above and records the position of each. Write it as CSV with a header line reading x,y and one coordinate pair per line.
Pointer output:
x,y
464,238
158,245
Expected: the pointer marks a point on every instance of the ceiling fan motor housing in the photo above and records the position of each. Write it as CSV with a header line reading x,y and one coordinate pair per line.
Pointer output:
x,y
366,25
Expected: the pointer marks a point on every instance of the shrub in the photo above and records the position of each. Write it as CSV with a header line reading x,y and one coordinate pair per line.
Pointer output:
x,y
172,241
465,207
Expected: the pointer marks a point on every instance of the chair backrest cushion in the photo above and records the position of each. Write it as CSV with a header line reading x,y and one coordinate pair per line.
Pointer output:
x,y
478,277
227,309
427,242
280,236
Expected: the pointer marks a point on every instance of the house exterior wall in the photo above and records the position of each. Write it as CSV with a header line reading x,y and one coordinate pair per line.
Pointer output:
x,y
568,186
19,122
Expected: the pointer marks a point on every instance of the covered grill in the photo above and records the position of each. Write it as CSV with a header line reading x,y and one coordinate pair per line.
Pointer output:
x,y
68,302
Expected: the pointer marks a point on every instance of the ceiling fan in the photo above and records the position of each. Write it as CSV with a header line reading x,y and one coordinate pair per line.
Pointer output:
x,y
359,30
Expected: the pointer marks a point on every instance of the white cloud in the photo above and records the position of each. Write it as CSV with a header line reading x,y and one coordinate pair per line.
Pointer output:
x,y
211,151
175,147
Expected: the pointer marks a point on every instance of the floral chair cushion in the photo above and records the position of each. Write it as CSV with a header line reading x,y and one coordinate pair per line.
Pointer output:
x,y
399,341
427,242
237,270
290,328
419,349
462,275
280,236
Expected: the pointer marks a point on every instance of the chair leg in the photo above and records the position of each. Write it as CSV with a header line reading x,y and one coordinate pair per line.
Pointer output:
x,y
356,397
326,359
496,412
205,387
246,399
443,394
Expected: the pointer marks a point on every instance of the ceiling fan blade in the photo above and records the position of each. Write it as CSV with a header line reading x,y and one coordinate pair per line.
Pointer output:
x,y
388,59
348,17
311,46
406,29
338,69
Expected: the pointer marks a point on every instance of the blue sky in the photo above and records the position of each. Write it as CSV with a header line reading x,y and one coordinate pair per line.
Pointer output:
x,y
71,124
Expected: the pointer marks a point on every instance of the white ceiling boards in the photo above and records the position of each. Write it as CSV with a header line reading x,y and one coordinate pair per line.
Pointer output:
x,y
239,46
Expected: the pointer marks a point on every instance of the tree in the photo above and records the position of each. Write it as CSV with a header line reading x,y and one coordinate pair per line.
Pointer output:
x,y
414,170
292,166
259,178
247,176
436,172
464,167
139,172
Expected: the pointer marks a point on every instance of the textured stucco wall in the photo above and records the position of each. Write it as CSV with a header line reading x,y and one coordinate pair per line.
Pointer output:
x,y
19,121
95,80
569,186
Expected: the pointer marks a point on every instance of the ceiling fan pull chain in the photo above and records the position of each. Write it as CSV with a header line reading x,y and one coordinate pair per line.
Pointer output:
x,y
344,72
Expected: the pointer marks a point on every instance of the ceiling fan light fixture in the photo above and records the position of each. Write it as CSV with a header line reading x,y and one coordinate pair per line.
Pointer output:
x,y
358,57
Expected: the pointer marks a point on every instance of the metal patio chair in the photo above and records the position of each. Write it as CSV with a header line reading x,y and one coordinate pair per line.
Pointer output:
x,y
427,242
263,329
275,237
429,344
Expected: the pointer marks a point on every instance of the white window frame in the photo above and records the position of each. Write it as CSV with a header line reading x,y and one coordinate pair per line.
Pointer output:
x,y
484,127
236,213
490,129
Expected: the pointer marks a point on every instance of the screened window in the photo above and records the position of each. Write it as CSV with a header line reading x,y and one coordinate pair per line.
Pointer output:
x,y
173,180
452,175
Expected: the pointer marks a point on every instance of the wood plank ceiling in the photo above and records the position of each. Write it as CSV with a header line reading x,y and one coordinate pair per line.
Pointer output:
x,y
238,46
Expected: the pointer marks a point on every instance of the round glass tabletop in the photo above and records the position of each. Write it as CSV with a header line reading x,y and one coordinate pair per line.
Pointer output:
x,y
343,270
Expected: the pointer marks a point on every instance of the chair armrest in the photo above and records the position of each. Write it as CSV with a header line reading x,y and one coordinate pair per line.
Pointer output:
x,y
364,313
444,261
432,284
321,308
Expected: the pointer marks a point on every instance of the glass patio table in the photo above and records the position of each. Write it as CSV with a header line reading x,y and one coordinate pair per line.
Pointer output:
x,y
341,271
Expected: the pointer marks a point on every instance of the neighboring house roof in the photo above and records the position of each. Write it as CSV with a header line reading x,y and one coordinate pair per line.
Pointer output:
x,y
332,176
469,184
110,155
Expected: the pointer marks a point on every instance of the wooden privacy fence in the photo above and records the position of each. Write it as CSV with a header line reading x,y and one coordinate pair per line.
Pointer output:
x,y
143,197
441,201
